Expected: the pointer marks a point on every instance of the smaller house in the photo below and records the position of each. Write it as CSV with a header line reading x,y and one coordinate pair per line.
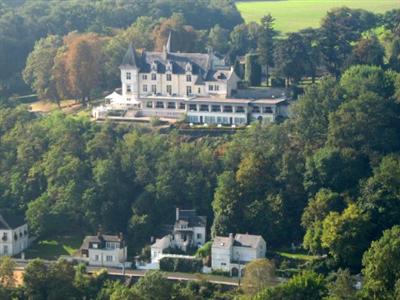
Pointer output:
x,y
189,231
104,250
13,233
232,253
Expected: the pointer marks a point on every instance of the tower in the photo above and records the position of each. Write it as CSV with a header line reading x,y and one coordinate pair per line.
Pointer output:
x,y
130,68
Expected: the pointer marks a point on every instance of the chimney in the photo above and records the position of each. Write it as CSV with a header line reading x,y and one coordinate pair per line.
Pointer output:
x,y
177,214
231,236
120,236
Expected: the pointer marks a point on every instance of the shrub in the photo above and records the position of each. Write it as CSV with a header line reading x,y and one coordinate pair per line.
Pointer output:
x,y
180,264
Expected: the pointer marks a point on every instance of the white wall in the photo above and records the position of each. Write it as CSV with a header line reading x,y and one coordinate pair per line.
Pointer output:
x,y
98,257
220,258
14,246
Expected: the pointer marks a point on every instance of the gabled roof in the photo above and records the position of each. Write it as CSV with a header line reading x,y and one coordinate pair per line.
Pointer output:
x,y
192,218
10,220
222,242
100,239
130,58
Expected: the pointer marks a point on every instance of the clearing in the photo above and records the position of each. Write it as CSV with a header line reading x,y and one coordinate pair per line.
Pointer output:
x,y
293,15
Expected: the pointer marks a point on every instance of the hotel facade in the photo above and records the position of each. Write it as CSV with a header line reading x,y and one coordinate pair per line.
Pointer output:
x,y
199,87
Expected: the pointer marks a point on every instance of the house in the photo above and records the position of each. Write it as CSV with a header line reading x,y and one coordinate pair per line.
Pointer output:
x,y
189,231
13,233
232,253
104,250
200,87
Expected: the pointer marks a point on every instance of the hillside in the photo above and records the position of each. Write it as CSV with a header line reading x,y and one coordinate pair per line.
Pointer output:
x,y
292,15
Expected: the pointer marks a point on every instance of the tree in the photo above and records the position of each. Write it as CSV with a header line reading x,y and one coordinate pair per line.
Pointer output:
x,y
318,208
265,43
380,195
381,265
342,288
7,266
307,285
291,58
346,236
252,70
339,29
258,275
368,124
368,51
38,70
153,286
36,278
218,39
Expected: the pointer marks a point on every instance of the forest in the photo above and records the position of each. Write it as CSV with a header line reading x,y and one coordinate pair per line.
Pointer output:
x,y
326,180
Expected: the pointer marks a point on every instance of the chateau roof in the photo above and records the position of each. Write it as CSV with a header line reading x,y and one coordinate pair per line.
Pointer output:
x,y
10,220
130,58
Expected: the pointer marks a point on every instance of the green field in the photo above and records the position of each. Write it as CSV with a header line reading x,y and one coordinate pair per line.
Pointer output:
x,y
292,15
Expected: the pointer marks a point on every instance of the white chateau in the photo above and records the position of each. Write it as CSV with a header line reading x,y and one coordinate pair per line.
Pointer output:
x,y
232,253
14,237
199,87
104,250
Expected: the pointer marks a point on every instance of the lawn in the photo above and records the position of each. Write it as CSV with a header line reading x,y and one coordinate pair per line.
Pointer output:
x,y
292,15
52,248
298,256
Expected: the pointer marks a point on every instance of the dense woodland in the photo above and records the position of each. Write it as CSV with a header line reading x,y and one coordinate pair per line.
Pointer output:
x,y
328,178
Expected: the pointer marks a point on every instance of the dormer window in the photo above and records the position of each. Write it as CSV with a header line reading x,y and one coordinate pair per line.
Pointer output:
x,y
154,66
169,67
169,77
153,76
128,75
188,67
188,78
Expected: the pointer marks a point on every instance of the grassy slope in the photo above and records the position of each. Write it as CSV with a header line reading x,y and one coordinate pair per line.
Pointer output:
x,y
53,248
292,15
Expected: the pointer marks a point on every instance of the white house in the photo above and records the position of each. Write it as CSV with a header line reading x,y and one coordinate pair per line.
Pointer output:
x,y
13,233
232,253
189,231
104,250
200,86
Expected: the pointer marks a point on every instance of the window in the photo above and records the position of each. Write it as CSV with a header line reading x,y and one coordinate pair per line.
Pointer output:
x,y
210,87
189,78
239,109
5,236
199,90
128,75
109,258
149,104
159,104
94,246
144,76
182,106
128,99
267,110
145,88
216,87
204,107
153,76
5,249
228,108
128,88
96,257
154,89
216,108
171,105
192,107
199,236
169,77
169,89
223,264
256,109
110,245
188,90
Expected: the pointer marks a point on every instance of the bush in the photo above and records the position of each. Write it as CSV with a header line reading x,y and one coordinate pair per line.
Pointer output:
x,y
277,82
179,264
155,121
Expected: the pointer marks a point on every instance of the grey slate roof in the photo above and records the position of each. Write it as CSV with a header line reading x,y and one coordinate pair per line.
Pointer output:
x,y
130,58
192,218
10,220
99,239
222,242
247,240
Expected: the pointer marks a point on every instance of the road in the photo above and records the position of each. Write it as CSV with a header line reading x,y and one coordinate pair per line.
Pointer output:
x,y
21,264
